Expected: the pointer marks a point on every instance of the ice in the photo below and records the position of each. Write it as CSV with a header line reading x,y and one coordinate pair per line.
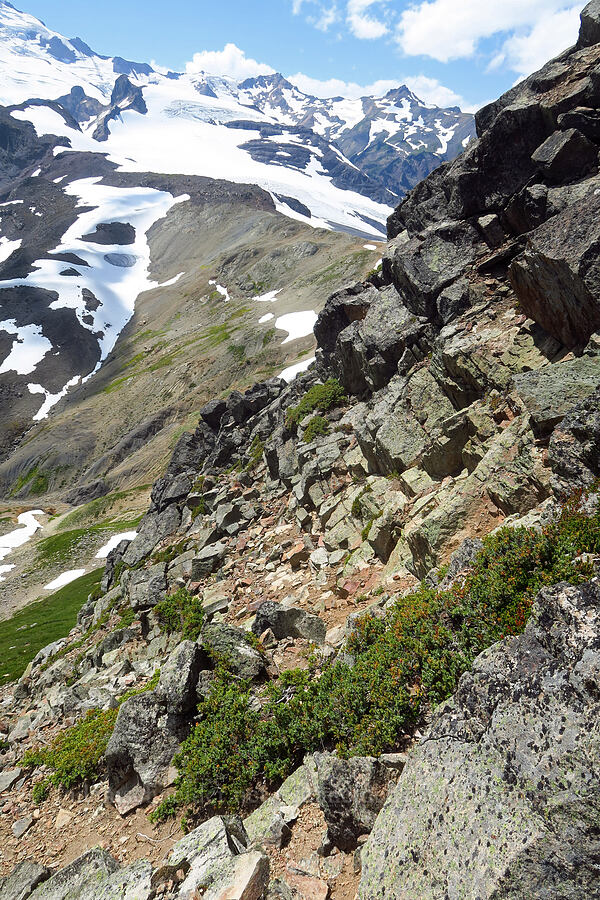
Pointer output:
x,y
45,121
297,324
65,578
7,248
266,318
466,140
29,348
114,542
20,536
370,247
290,373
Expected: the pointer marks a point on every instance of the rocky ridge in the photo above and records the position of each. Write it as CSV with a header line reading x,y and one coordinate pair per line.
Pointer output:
x,y
454,392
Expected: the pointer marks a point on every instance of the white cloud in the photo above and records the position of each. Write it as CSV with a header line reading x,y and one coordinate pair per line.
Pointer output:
x,y
446,30
361,24
229,61
430,90
326,18
528,52
436,94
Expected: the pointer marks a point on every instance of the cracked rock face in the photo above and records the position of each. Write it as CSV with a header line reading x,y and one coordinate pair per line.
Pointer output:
x,y
501,797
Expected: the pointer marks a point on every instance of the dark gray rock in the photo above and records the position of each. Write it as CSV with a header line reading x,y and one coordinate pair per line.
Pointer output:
x,y
557,279
149,730
23,879
586,120
564,153
423,266
288,622
574,450
83,493
213,412
505,778
589,33
231,644
341,309
208,560
154,528
351,793
144,588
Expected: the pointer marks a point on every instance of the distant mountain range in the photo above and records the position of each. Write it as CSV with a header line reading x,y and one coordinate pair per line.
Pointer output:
x,y
342,163
95,150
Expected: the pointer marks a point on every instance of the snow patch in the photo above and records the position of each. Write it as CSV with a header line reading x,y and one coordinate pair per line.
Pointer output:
x,y
7,248
290,373
65,578
28,350
172,280
114,542
297,324
18,537
266,318
222,290
268,298
51,399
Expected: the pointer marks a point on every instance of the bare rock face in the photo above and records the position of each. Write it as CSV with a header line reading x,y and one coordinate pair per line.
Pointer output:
x,y
501,797
574,450
557,279
590,25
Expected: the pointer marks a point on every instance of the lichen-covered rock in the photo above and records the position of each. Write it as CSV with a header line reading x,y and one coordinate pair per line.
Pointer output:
x,y
574,450
288,621
80,879
23,880
501,797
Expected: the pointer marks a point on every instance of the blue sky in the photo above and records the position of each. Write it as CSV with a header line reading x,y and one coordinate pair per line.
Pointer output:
x,y
463,52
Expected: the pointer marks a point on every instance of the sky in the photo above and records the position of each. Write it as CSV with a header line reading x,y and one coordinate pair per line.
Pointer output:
x,y
449,52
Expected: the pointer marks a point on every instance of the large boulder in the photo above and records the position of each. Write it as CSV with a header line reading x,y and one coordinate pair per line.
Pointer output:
x,y
574,450
23,880
150,728
79,879
288,621
589,33
557,279
232,644
501,797
551,392
351,793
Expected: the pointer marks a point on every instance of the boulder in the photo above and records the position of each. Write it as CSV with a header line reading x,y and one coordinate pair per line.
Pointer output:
x,y
216,863
563,153
144,588
421,268
22,881
208,560
79,879
351,793
288,621
150,728
341,309
500,799
231,644
574,450
557,279
589,33
154,527
551,392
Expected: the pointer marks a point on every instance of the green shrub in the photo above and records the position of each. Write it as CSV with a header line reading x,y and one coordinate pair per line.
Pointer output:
x,y
402,665
40,791
316,426
320,397
75,754
182,612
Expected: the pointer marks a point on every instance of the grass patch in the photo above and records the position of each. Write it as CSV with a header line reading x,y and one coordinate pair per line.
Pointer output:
x,y
24,635
59,548
37,481
320,397
403,665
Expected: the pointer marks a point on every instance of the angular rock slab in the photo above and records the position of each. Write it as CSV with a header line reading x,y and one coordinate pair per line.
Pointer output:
x,y
23,879
80,879
501,797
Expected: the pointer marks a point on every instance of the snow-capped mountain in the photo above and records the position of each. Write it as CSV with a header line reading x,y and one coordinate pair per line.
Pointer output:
x,y
342,163
79,135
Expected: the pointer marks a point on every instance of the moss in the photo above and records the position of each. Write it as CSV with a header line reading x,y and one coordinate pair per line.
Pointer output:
x,y
255,453
38,482
238,351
